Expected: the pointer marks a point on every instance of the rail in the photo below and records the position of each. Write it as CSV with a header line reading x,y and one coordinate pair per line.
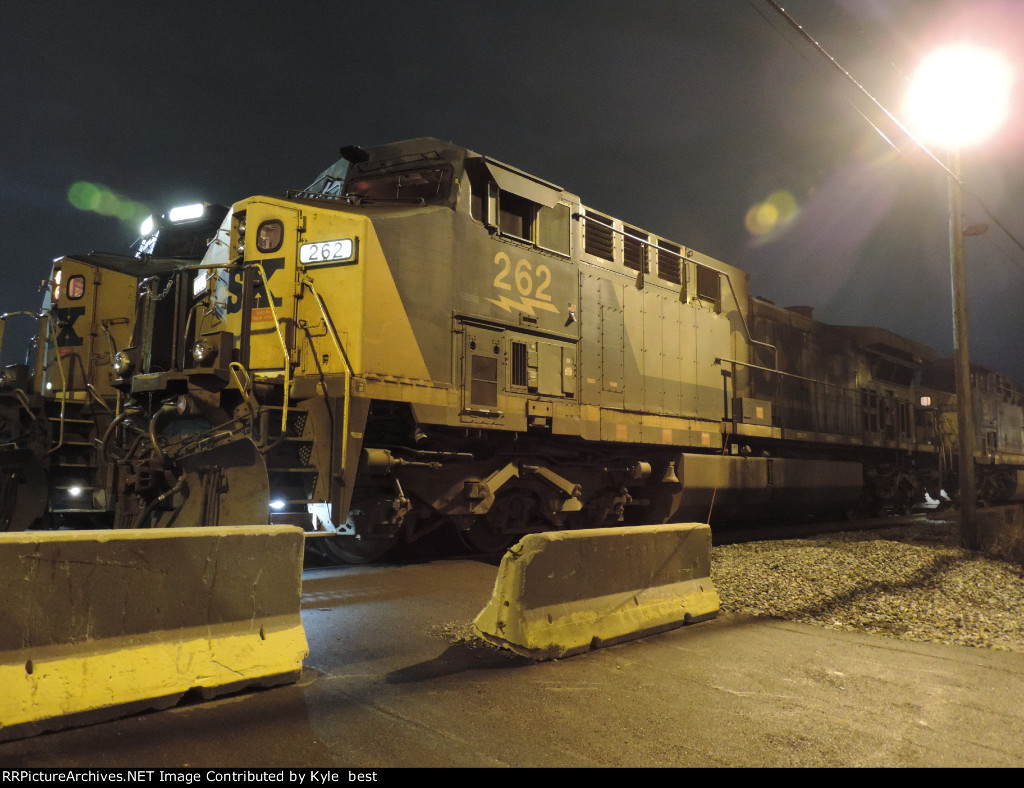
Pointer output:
x,y
52,336
244,387
5,315
113,352
284,344
843,412
349,372
22,398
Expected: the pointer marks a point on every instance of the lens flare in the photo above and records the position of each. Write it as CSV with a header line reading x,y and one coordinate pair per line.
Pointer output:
x,y
99,199
772,215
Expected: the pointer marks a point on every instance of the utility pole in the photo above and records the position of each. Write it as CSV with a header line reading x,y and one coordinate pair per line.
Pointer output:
x,y
961,359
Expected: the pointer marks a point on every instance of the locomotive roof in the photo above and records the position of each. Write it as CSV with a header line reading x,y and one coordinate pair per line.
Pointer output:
x,y
884,341
128,264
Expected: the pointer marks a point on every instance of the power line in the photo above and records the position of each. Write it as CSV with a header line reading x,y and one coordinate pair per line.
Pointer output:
x,y
900,125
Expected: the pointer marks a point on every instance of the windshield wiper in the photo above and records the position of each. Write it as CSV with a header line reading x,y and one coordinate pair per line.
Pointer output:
x,y
359,199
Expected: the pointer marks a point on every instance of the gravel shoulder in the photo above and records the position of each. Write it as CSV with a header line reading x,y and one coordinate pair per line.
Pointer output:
x,y
910,582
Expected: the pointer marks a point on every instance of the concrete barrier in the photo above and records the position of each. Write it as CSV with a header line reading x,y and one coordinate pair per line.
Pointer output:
x,y
565,592
99,624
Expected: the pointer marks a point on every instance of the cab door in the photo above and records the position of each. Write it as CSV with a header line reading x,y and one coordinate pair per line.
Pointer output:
x,y
92,315
263,317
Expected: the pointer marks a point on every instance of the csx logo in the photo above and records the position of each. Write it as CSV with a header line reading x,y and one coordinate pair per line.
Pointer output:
x,y
66,319
236,286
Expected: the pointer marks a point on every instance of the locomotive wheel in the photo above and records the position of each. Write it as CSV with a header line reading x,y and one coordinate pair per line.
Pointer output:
x,y
490,534
350,550
482,537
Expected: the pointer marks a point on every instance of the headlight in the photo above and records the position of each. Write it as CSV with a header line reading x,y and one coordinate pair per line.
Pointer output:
x,y
199,284
204,352
122,363
184,213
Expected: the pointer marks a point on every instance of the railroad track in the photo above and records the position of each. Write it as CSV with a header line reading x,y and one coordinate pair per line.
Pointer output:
x,y
765,531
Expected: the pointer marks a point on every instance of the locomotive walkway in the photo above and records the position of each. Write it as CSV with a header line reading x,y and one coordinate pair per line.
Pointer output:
x,y
391,681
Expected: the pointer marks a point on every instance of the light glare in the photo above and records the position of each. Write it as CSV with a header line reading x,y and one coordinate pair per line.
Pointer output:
x,y
199,285
959,95
185,212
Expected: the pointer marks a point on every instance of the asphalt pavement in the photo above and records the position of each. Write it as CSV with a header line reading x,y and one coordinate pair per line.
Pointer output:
x,y
394,680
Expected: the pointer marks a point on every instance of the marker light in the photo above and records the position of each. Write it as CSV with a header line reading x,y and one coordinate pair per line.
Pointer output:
x,y
185,212
122,364
204,351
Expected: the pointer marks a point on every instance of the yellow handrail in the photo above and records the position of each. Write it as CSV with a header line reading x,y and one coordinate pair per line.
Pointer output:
x,y
245,388
63,381
307,282
284,345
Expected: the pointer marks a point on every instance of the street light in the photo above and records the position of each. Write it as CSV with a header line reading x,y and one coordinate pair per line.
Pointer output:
x,y
958,97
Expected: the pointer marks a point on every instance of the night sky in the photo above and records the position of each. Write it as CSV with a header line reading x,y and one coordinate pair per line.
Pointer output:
x,y
677,117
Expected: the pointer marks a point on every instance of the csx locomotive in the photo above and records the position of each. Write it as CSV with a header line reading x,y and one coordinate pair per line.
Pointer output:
x,y
56,408
427,336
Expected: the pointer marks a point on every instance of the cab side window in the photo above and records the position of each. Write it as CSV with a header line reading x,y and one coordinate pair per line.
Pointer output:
x,y
517,207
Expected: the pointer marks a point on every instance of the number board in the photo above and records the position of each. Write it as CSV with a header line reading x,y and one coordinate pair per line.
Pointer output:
x,y
342,250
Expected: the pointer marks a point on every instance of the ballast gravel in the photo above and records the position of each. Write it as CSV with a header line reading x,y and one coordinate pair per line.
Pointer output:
x,y
911,582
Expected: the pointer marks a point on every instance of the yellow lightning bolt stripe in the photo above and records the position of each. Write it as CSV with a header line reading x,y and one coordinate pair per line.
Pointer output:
x,y
527,305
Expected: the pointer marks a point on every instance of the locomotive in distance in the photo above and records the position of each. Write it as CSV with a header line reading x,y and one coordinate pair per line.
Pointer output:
x,y
426,336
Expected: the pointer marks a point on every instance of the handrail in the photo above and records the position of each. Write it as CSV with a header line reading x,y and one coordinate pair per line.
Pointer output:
x,y
245,388
329,323
5,315
22,398
63,381
91,389
113,352
847,392
849,427
784,374
284,344
349,372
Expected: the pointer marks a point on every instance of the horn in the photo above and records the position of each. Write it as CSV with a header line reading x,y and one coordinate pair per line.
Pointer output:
x,y
670,474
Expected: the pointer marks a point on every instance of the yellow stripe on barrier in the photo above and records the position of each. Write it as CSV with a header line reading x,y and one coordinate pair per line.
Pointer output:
x,y
565,592
103,624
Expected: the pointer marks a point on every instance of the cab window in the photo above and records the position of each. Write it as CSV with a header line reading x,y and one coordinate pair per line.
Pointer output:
x,y
76,287
428,185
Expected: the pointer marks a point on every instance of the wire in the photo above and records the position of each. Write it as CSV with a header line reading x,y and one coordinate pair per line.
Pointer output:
x,y
910,135
995,219
849,77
